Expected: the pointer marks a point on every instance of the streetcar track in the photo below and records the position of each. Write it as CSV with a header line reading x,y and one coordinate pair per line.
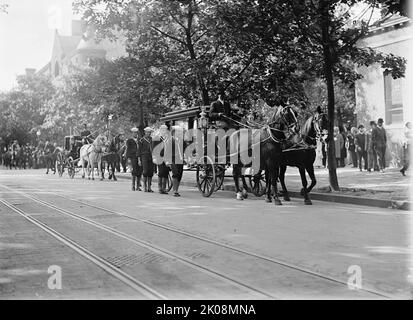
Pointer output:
x,y
214,273
103,264
230,247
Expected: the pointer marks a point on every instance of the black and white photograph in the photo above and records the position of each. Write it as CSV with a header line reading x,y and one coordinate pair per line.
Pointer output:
x,y
206,154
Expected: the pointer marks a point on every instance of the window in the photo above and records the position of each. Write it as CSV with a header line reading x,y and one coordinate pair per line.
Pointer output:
x,y
393,99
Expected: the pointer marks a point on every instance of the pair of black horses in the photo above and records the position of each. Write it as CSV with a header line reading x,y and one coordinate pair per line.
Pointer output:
x,y
275,156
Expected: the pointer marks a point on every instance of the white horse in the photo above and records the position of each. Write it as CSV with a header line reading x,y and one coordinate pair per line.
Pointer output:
x,y
92,154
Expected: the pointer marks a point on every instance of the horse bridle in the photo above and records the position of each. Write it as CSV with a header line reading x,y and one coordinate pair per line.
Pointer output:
x,y
281,121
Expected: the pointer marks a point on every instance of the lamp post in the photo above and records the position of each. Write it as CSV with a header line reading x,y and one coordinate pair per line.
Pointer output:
x,y
203,124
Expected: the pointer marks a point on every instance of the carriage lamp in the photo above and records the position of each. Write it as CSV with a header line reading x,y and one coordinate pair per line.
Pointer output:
x,y
110,116
38,133
203,120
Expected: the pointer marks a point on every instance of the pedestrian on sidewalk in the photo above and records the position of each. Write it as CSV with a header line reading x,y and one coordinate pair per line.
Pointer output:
x,y
131,153
338,145
406,147
352,146
361,145
379,140
146,160
343,151
371,152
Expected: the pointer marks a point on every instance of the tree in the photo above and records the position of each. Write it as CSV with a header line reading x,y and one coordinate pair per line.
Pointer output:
x,y
23,108
193,50
325,44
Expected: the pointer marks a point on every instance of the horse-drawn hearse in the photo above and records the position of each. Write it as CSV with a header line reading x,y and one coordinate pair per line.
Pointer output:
x,y
279,140
210,168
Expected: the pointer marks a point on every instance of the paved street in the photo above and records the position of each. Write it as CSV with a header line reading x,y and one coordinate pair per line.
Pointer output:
x,y
111,242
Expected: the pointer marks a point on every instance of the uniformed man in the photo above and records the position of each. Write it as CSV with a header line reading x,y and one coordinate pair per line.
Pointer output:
x,y
145,158
131,153
163,169
86,135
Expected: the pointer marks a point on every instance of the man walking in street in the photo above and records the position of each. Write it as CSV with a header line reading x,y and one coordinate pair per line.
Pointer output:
x,y
145,159
163,169
361,147
131,153
379,140
175,150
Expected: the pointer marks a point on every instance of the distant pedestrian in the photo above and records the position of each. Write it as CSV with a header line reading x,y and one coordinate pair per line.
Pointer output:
x,y
338,145
406,147
371,152
352,146
343,152
361,145
379,141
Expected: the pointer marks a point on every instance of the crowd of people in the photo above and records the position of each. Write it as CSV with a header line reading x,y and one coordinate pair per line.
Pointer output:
x,y
363,148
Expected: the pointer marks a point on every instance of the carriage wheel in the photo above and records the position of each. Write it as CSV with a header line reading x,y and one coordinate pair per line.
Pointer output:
x,y
60,168
71,169
258,184
206,177
169,183
220,175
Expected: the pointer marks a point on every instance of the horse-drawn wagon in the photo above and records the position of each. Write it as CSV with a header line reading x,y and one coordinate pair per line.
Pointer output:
x,y
210,169
69,156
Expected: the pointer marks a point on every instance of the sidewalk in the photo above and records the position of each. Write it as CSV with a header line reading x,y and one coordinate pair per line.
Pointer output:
x,y
385,190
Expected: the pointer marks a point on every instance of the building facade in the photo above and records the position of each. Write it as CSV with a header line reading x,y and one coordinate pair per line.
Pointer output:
x,y
80,50
379,95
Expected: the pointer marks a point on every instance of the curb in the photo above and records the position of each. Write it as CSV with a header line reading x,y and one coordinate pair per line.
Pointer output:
x,y
327,197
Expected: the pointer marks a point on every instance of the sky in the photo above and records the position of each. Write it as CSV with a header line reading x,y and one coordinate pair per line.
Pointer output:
x,y
26,35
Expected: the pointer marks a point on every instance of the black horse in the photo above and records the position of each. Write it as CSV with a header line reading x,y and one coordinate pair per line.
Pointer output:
x,y
271,138
304,156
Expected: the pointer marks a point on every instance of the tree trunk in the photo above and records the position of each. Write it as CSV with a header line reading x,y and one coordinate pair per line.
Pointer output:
x,y
328,74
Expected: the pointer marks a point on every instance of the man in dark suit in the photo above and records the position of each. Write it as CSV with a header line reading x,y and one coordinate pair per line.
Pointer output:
x,y
145,158
131,153
361,144
379,141
220,111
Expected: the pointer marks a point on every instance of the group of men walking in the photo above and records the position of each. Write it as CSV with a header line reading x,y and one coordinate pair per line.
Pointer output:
x,y
139,152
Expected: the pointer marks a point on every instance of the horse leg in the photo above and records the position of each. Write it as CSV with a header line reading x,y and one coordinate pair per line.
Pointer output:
x,y
83,168
310,170
244,187
274,179
283,169
100,170
236,174
304,182
268,197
